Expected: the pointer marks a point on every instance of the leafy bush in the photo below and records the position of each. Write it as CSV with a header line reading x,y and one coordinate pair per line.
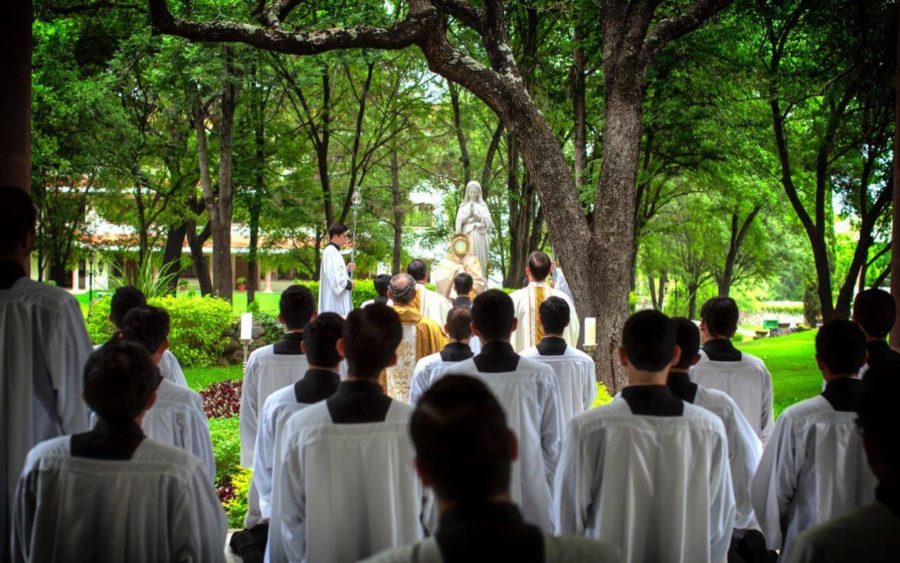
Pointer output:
x,y
226,440
236,490
603,396
782,308
222,399
196,332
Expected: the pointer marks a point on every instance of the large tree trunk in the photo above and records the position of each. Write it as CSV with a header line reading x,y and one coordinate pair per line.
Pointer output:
x,y
195,243
895,224
172,253
460,133
578,89
397,203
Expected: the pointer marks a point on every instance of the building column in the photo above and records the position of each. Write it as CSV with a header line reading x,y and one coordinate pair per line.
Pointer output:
x,y
268,281
75,274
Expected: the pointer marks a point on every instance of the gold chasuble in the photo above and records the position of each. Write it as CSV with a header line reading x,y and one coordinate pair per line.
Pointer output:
x,y
536,326
421,337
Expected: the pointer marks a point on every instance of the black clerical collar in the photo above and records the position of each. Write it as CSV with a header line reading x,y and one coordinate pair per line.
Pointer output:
x,y
358,401
497,356
336,247
680,384
888,494
110,440
289,345
552,346
10,272
843,393
462,301
722,350
882,355
652,400
316,385
488,531
456,352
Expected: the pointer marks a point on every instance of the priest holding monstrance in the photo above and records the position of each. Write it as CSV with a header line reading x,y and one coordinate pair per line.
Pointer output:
x,y
459,260
470,247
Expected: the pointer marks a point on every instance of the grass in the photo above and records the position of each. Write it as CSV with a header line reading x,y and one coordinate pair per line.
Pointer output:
x,y
201,378
791,360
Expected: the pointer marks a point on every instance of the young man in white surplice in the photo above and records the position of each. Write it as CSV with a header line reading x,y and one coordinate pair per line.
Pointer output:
x,y
335,284
350,451
429,368
111,494
648,472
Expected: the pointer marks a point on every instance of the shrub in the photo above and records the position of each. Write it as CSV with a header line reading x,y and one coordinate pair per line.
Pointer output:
x,y
226,440
98,326
222,399
235,504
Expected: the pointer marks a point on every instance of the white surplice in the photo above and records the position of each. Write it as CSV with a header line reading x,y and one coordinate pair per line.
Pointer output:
x,y
870,534
530,398
171,370
43,349
525,336
427,371
576,377
747,382
400,374
334,297
157,506
812,470
343,492
557,549
560,283
744,450
659,487
433,305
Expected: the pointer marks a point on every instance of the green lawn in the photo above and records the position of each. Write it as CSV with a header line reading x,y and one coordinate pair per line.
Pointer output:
x,y
201,378
791,360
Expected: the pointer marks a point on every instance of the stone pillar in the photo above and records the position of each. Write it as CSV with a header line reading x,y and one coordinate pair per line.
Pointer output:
x,y
15,94
75,274
268,281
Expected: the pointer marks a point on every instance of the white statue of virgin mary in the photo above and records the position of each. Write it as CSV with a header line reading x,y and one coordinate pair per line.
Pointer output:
x,y
473,219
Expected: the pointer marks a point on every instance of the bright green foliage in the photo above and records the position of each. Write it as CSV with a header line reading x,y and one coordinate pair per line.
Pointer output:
x,y
236,508
199,378
226,440
791,360
603,396
99,328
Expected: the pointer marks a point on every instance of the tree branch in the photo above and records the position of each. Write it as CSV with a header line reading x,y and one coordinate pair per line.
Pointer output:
x,y
670,29
462,11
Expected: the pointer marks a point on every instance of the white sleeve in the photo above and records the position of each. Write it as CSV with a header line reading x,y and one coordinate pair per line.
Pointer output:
x,y
590,386
337,273
767,420
744,451
67,351
23,511
176,374
574,328
263,456
249,412
721,508
775,482
418,384
551,428
571,497
290,491
201,442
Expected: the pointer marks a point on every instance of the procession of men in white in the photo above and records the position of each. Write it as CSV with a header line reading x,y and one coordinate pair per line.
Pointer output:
x,y
496,456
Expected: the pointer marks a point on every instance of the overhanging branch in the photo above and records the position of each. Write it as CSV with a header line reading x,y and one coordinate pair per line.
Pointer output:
x,y
670,29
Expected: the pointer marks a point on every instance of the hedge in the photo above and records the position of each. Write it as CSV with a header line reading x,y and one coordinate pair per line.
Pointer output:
x,y
196,332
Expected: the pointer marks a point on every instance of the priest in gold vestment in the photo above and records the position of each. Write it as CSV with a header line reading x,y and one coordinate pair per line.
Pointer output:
x,y
460,260
527,301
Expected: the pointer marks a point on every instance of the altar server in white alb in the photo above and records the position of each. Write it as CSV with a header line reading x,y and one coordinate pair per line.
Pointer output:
x,y
335,285
464,451
43,349
124,300
529,394
345,485
872,533
739,375
648,472
429,368
381,283
528,301
430,303
575,372
813,468
744,447
176,417
270,368
111,494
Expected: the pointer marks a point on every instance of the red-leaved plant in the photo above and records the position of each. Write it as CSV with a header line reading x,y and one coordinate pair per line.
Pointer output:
x,y
222,399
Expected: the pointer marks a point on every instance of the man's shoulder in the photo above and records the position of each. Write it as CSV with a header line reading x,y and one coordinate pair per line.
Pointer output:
x,y
700,417
282,396
54,447
167,459
309,417
754,361
425,551
533,364
47,296
844,537
715,400
174,393
260,353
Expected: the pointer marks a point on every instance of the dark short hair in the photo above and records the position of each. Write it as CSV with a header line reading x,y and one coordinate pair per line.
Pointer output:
x,y
371,336
459,323
17,217
417,269
320,340
493,313
123,300
381,283
146,325
296,306
461,439
463,283
721,316
555,315
119,379
539,265
875,311
337,229
841,346
879,416
649,340
687,336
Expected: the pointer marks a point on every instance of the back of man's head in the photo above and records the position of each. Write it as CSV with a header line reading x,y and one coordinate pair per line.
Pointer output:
x,y
17,218
296,306
147,326
402,289
493,314
649,340
463,445
875,311
337,229
119,379
370,339
555,315
381,283
879,419
687,336
841,347
417,270
124,300
720,315
459,323
539,265
320,340
462,283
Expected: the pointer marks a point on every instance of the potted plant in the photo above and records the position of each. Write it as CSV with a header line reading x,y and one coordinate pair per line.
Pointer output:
x,y
241,283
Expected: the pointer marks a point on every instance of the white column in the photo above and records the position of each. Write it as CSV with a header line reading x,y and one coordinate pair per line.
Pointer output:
x,y
75,279
268,281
